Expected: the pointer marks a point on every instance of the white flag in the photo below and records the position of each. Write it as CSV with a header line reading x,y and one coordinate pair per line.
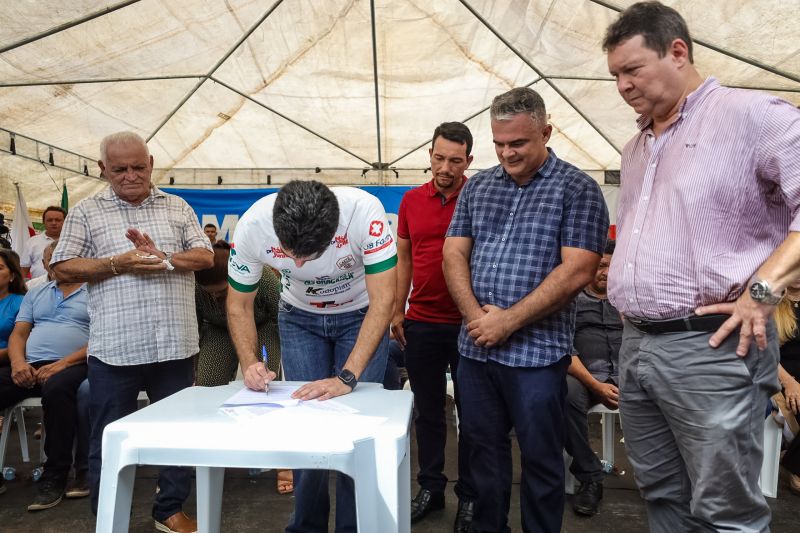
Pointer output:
x,y
21,227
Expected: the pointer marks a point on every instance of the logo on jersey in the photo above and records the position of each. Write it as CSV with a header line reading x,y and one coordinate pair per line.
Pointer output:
x,y
233,252
330,303
240,268
376,228
276,252
339,240
346,263
330,280
328,291
378,245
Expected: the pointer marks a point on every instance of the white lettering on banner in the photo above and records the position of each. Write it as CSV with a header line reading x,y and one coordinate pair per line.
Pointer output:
x,y
224,230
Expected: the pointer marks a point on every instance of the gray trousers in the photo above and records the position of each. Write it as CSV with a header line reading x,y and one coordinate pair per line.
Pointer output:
x,y
693,419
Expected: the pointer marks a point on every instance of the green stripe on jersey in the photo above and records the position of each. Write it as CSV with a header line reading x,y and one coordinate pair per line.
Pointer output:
x,y
386,264
241,287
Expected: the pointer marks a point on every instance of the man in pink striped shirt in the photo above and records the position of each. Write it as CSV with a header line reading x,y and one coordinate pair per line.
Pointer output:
x,y
708,239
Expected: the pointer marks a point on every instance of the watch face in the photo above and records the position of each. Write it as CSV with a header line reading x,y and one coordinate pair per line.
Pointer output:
x,y
757,291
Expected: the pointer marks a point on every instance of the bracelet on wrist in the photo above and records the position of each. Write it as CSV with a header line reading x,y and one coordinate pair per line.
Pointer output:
x,y
113,267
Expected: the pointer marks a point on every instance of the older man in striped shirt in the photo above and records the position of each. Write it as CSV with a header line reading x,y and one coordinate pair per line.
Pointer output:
x,y
710,190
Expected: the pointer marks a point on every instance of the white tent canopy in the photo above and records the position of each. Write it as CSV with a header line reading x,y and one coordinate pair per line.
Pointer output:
x,y
258,91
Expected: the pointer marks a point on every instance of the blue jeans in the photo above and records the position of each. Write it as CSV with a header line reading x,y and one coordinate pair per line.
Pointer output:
x,y
495,398
84,428
113,394
316,346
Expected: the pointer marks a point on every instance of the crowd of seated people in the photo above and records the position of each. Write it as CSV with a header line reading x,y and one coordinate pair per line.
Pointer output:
x,y
47,359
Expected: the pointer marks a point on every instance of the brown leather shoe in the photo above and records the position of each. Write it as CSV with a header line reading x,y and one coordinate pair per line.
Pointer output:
x,y
177,523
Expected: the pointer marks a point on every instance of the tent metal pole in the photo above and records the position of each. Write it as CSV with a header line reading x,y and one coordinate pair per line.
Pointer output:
x,y
102,80
299,125
67,25
375,79
721,50
211,72
76,172
540,74
475,114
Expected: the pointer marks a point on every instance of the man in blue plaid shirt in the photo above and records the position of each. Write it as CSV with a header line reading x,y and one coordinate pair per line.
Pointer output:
x,y
526,237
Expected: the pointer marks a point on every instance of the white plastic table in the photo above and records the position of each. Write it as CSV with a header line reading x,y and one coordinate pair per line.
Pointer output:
x,y
187,429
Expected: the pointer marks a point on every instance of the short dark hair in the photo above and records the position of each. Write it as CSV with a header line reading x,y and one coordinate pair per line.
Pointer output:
x,y
209,225
658,24
455,132
516,102
53,208
610,245
11,259
305,217
219,271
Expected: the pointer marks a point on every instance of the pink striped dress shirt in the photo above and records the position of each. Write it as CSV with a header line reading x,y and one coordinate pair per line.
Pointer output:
x,y
705,203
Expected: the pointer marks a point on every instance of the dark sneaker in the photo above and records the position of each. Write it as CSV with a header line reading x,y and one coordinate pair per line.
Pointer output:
x,y
78,487
49,494
424,502
588,498
463,516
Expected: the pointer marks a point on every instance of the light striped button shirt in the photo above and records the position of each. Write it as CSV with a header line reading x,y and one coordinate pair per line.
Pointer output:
x,y
705,203
136,318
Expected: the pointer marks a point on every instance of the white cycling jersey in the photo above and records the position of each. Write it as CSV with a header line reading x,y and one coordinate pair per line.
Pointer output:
x,y
336,282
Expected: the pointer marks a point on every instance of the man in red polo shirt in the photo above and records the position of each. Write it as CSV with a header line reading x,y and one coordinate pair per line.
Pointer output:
x,y
428,331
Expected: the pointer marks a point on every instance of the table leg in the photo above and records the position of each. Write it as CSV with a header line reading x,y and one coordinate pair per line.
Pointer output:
x,y
210,481
116,495
365,479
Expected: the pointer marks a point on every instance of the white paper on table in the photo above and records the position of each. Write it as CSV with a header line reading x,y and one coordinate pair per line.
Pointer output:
x,y
276,397
329,405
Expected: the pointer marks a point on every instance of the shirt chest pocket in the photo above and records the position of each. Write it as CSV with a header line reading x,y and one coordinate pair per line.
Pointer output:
x,y
167,235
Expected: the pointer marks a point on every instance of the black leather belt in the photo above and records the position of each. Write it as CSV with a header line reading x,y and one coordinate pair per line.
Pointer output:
x,y
689,323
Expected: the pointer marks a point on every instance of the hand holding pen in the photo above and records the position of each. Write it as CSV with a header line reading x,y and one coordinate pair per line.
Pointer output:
x,y
257,376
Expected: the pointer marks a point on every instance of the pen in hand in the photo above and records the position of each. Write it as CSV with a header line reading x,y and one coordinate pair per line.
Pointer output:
x,y
264,357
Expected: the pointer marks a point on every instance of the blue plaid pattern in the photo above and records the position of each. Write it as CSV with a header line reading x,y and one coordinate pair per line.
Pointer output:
x,y
517,235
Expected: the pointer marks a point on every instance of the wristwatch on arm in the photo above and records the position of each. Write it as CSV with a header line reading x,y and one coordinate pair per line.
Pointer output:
x,y
348,378
761,292
168,261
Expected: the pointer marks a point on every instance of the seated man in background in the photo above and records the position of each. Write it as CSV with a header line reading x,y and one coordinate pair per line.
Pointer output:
x,y
592,378
47,350
47,253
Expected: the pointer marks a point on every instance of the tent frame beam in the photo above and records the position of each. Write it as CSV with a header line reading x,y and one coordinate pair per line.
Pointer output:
x,y
67,25
464,121
102,80
375,80
724,51
298,124
216,66
533,67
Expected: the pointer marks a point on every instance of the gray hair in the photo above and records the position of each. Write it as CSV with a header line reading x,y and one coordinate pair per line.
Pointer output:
x,y
121,137
517,101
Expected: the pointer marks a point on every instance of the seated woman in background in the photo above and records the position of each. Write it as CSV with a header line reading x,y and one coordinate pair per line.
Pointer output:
x,y
12,290
786,319
216,361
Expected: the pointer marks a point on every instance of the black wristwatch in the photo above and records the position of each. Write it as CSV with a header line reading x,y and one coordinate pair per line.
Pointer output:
x,y
348,378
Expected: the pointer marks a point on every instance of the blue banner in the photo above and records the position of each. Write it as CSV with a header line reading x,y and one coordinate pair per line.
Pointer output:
x,y
223,207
